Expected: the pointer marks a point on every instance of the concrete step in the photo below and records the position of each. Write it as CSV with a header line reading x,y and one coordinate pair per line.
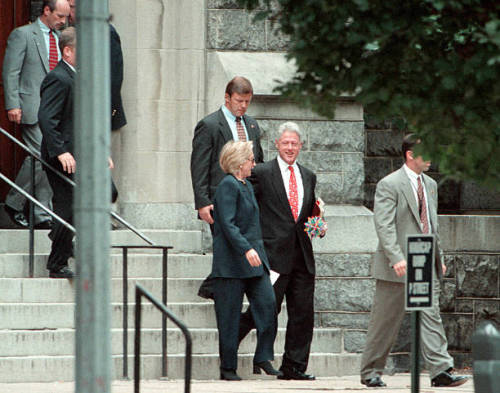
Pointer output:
x,y
140,265
61,315
16,240
60,342
204,367
42,290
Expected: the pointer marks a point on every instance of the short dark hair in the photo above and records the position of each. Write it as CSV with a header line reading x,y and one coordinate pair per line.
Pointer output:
x,y
48,3
240,85
67,38
409,141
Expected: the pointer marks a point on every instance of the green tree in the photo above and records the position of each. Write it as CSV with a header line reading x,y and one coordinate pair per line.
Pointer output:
x,y
435,64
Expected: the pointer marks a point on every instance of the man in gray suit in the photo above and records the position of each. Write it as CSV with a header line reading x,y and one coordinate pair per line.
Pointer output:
x,y
405,204
31,53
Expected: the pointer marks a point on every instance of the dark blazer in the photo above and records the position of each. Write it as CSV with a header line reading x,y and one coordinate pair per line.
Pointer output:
x,y
210,135
55,115
279,230
236,230
118,118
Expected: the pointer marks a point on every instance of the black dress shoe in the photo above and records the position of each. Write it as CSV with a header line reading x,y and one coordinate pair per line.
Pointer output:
x,y
17,217
64,272
375,382
44,225
445,379
267,367
293,373
229,375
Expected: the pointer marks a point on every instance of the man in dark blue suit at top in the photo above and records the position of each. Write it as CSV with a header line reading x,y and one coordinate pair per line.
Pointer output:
x,y
285,193
211,133
240,264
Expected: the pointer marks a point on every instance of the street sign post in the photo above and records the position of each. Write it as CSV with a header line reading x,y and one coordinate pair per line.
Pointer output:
x,y
418,293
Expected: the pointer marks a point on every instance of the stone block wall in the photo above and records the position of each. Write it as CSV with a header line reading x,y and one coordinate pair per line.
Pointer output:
x,y
333,149
383,155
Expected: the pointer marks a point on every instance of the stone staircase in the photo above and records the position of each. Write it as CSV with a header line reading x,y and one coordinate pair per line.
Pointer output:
x,y
37,314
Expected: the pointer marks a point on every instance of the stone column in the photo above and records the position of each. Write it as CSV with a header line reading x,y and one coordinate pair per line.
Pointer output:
x,y
163,43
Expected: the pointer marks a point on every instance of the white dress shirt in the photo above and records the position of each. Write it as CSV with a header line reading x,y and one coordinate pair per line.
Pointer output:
x,y
414,185
45,30
285,174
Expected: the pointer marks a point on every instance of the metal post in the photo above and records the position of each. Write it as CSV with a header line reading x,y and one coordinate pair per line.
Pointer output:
x,y
125,312
32,221
92,199
415,351
137,343
164,370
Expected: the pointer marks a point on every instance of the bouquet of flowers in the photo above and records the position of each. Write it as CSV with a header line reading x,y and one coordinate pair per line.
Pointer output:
x,y
316,225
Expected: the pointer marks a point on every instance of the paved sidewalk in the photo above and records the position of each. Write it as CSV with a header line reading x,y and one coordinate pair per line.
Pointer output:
x,y
399,383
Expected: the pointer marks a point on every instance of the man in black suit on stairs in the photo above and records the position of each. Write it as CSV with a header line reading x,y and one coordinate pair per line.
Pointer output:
x,y
55,117
286,198
211,133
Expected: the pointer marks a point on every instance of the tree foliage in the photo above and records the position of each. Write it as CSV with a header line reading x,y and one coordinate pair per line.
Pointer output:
x,y
435,64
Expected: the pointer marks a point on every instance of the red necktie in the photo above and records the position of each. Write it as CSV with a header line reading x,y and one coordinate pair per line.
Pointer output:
x,y
53,56
293,195
241,131
422,207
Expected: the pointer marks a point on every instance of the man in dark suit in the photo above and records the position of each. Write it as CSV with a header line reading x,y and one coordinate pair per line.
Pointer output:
x,y
118,119
211,133
405,204
31,53
285,193
56,123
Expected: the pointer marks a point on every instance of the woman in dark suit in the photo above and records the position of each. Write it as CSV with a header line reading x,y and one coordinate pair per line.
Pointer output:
x,y
240,264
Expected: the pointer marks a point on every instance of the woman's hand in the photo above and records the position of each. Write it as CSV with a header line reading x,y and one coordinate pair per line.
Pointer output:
x,y
253,258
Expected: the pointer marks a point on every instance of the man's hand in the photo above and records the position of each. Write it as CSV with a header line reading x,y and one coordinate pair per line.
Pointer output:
x,y
68,162
253,258
15,115
443,266
322,233
111,164
400,268
205,215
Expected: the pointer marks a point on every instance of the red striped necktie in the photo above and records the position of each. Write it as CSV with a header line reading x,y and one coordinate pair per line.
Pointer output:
x,y
53,56
293,194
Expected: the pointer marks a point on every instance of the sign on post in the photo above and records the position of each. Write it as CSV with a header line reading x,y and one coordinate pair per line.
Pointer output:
x,y
420,272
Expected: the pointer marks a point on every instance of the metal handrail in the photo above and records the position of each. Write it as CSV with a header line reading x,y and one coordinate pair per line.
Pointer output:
x,y
69,181
139,293
164,289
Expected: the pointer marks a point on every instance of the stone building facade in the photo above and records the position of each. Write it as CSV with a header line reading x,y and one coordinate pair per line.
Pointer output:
x,y
179,54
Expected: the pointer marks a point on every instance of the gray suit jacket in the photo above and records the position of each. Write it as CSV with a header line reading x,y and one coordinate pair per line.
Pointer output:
x,y
25,65
396,216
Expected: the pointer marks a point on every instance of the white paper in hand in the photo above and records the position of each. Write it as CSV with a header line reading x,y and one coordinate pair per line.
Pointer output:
x,y
273,276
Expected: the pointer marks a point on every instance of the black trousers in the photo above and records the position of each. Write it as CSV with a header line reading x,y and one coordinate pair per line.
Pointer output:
x,y
298,287
62,237
228,296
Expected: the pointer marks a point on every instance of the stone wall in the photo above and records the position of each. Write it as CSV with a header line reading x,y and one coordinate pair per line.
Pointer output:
x,y
383,155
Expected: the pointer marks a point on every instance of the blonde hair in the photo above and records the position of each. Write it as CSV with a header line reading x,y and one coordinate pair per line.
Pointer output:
x,y
234,154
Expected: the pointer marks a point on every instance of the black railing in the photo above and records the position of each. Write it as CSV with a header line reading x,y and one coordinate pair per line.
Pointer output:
x,y
164,289
139,293
35,155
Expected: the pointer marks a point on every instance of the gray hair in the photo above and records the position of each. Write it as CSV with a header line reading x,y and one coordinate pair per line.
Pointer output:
x,y
289,126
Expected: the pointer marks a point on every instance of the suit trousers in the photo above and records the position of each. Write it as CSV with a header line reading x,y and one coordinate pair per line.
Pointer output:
x,y
298,287
387,314
62,237
228,296
32,137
